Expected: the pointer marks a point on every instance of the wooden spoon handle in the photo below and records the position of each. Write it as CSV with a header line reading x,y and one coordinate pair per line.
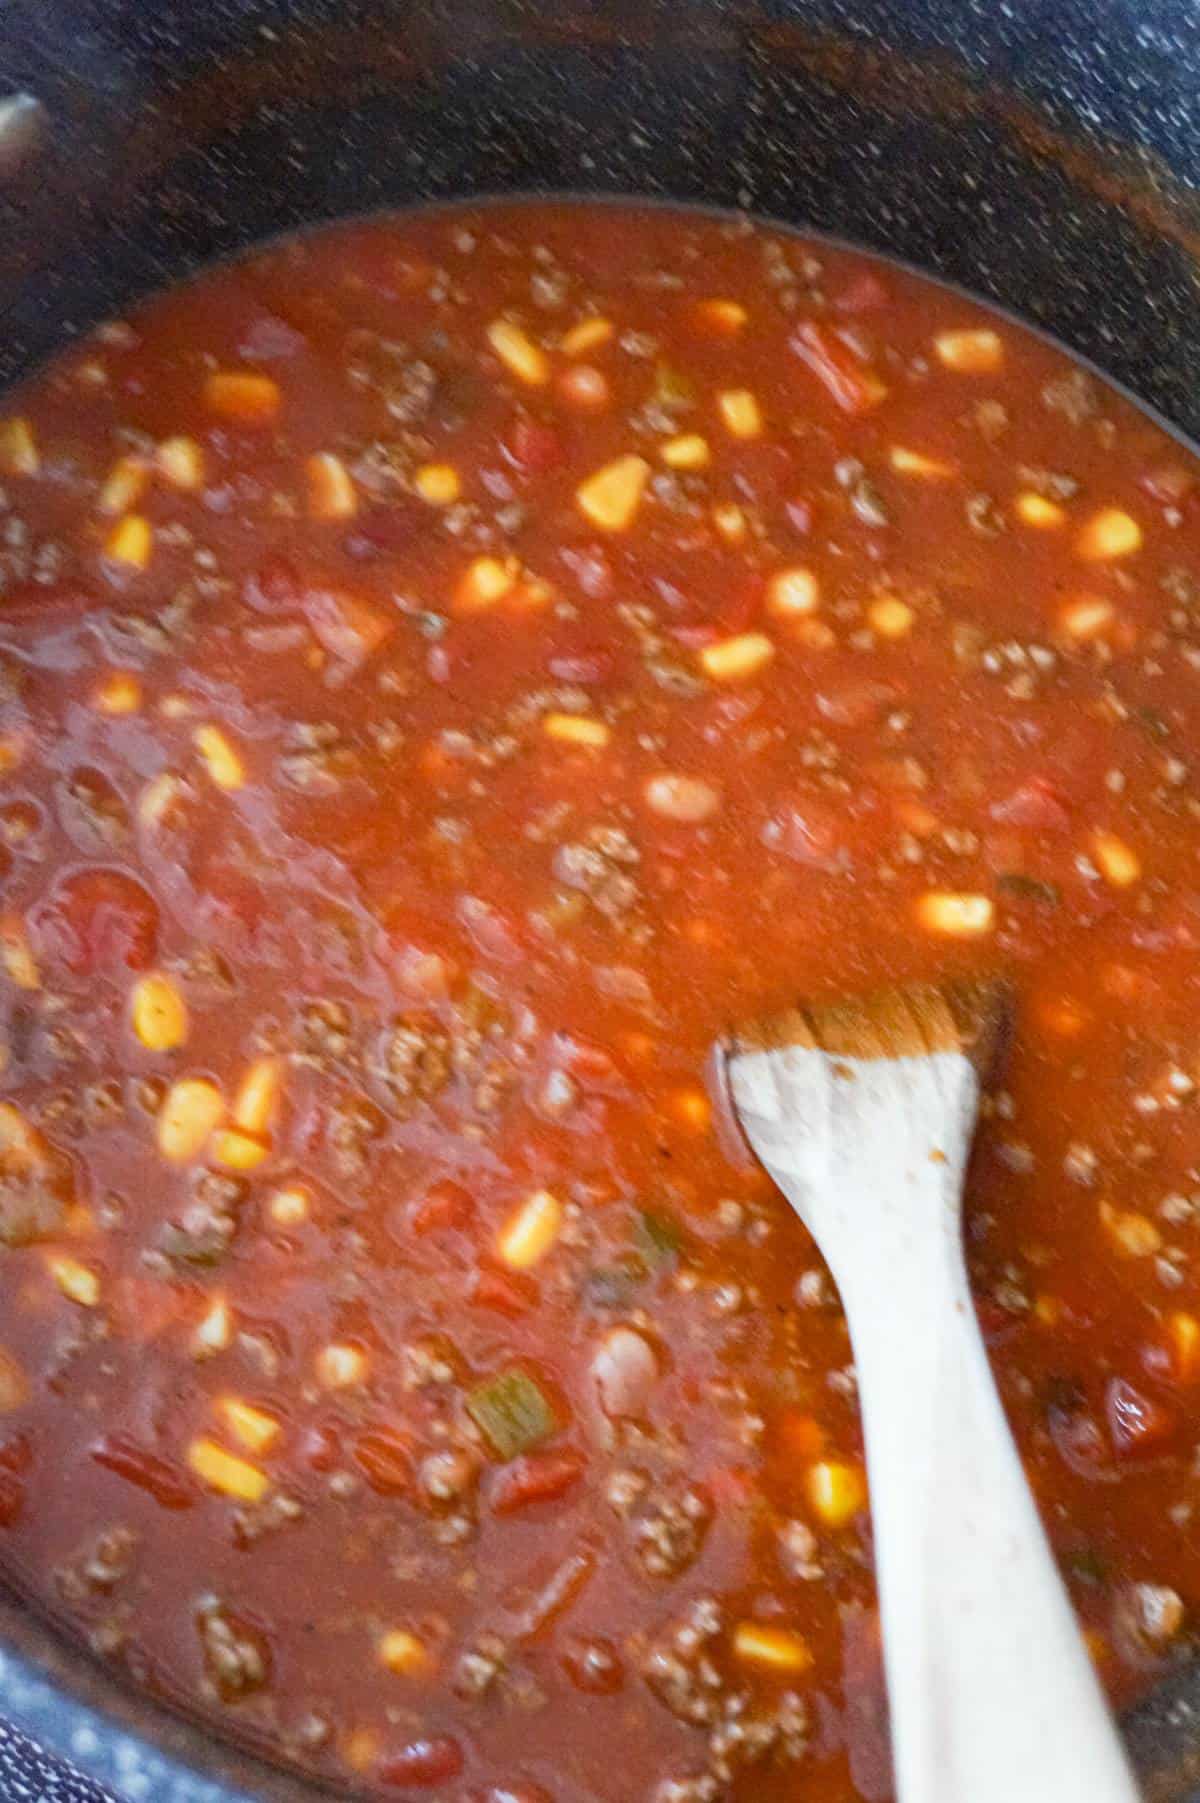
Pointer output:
x,y
993,1695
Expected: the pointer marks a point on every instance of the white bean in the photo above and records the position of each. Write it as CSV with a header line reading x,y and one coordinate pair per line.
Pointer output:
x,y
625,1371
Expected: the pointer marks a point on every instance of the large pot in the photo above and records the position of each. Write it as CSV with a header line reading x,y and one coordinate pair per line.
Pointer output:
x,y
1040,153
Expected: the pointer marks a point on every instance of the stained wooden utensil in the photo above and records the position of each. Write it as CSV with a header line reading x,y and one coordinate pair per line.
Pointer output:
x,y
863,1113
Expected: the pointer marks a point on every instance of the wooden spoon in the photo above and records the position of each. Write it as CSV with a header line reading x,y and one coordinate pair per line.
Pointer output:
x,y
863,1113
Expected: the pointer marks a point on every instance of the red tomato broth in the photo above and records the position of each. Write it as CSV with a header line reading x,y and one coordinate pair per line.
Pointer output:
x,y
486,966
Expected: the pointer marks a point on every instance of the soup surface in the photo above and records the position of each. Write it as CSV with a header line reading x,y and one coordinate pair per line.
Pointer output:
x,y
450,668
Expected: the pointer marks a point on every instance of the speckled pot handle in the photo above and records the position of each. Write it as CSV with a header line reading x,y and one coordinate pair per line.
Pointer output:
x,y
28,1775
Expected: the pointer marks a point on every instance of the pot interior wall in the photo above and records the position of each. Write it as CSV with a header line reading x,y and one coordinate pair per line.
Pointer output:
x,y
1040,155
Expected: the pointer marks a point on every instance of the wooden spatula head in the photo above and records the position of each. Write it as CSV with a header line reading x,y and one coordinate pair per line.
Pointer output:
x,y
969,1016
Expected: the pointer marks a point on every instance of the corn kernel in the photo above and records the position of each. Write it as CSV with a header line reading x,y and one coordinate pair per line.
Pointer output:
x,y
890,618
257,1099
1109,534
530,1230
438,484
214,1332
775,1648
403,1653
1088,617
289,1206
360,1749
485,582
226,1473
130,542
588,335
741,413
793,592
687,452
1035,510
235,1150
724,316
955,916
342,1367
120,692
729,660
518,353
693,1108
611,497
1117,862
16,954
78,1283
242,395
14,1383
836,1492
252,1428
124,485
1047,1311
18,448
730,521
971,352
18,1140
331,491
577,729
1184,1332
158,798
191,1111
916,463
1136,1235
180,462
221,756
159,1013
1063,1016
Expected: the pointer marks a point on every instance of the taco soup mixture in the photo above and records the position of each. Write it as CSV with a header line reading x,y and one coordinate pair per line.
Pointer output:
x,y
452,666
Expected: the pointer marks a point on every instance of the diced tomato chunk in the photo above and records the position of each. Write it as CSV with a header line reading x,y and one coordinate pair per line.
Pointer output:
x,y
742,606
495,935
864,292
534,445
98,921
166,1483
267,338
505,1294
318,1447
1136,1422
1036,805
274,586
1080,1441
731,1486
851,384
810,832
422,1762
444,1205
1169,484
384,1460
587,664
860,703
348,628
536,1477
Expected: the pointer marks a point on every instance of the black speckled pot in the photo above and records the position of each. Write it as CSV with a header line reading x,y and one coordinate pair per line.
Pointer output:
x,y
1043,152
